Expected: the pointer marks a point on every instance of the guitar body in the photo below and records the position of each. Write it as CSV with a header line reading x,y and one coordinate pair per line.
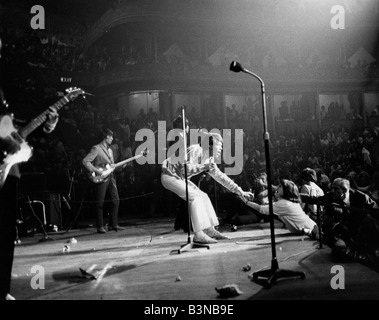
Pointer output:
x,y
107,170
104,176
13,148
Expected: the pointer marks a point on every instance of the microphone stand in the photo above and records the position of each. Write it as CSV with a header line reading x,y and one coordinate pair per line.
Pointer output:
x,y
270,276
72,189
44,223
189,245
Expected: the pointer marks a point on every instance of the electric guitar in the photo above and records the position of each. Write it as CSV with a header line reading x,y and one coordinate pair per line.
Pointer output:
x,y
13,146
108,169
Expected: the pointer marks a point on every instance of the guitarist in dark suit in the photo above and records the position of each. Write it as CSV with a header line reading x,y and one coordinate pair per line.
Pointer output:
x,y
8,203
100,156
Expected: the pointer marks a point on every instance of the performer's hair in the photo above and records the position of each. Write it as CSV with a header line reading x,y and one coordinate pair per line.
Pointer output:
x,y
107,132
214,137
178,122
209,136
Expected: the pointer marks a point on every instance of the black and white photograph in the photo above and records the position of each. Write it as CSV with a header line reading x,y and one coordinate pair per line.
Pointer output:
x,y
189,156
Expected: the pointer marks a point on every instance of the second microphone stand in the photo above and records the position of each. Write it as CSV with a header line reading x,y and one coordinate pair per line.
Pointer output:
x,y
189,245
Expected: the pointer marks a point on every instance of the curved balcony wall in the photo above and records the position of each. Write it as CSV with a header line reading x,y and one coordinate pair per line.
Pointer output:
x,y
175,76
148,11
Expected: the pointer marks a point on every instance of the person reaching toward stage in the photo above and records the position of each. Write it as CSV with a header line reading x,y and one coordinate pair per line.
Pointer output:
x,y
288,210
203,216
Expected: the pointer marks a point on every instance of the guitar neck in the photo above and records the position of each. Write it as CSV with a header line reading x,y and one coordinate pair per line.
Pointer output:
x,y
127,160
36,122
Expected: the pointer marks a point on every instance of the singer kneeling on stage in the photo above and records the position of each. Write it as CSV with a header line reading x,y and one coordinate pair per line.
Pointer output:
x,y
203,216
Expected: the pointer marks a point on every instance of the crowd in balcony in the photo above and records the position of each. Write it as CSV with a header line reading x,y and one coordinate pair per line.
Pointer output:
x,y
51,52
47,51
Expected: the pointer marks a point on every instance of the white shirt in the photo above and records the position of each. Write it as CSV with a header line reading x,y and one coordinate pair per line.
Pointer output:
x,y
290,213
312,190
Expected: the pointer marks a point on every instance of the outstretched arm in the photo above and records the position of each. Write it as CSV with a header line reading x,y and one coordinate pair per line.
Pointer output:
x,y
263,209
226,182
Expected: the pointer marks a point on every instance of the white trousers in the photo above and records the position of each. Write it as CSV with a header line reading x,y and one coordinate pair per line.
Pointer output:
x,y
203,215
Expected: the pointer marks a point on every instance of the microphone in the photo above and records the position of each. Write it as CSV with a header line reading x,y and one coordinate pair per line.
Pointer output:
x,y
236,67
32,201
66,203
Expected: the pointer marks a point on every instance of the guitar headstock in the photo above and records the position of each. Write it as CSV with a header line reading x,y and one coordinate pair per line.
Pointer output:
x,y
74,92
145,152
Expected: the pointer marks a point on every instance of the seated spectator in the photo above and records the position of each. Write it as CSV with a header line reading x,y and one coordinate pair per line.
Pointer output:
x,y
323,180
244,215
313,160
360,179
261,189
351,223
310,188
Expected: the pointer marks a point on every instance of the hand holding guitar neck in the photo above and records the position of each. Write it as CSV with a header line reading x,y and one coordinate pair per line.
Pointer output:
x,y
16,149
101,174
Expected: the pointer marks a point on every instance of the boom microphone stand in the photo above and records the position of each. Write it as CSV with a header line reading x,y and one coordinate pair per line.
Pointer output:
x,y
189,245
44,223
268,277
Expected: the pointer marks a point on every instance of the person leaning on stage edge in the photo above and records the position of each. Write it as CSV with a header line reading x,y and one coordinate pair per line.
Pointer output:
x,y
8,204
289,210
100,156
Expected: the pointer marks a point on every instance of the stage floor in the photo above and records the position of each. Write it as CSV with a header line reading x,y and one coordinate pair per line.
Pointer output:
x,y
142,263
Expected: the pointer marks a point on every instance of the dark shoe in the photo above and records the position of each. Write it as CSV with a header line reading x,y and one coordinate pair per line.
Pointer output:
x,y
116,228
101,230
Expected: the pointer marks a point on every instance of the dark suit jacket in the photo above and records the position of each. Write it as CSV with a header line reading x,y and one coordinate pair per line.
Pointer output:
x,y
360,205
99,156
